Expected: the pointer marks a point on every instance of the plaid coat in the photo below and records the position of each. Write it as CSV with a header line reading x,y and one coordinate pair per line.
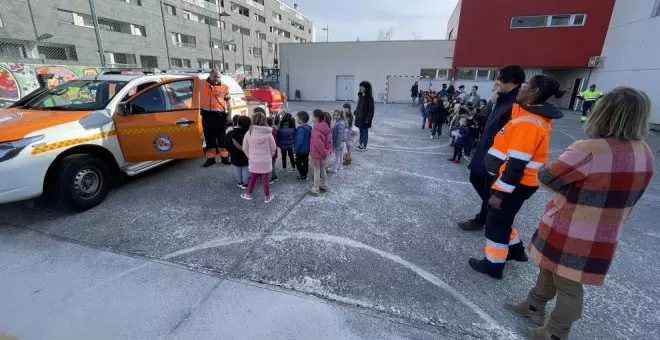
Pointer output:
x,y
597,182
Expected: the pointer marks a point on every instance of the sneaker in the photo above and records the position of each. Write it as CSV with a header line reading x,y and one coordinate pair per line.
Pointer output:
x,y
243,186
302,178
432,136
240,185
313,193
457,162
269,198
209,162
467,158
273,180
451,159
246,197
323,189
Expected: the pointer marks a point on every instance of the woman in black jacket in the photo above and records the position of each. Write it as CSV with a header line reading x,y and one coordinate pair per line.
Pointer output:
x,y
364,113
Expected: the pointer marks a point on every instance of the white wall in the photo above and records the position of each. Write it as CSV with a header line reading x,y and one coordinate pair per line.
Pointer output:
x,y
312,68
632,51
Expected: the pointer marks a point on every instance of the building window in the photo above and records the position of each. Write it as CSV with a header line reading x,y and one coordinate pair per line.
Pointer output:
x,y
467,74
170,9
559,20
10,50
178,62
113,58
57,53
259,18
226,67
0,21
256,51
242,30
84,20
148,61
297,25
482,75
189,16
236,8
133,2
230,47
239,68
433,73
248,69
262,36
277,17
184,40
271,47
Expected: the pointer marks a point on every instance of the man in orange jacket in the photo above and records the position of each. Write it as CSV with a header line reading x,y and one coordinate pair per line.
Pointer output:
x,y
518,152
215,108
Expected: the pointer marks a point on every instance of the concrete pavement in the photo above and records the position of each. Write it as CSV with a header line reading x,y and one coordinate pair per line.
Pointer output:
x,y
383,241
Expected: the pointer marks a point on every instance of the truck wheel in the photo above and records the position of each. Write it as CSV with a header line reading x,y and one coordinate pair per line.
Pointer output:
x,y
80,182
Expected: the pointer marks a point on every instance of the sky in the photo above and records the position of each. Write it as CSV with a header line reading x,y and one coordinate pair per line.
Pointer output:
x,y
349,20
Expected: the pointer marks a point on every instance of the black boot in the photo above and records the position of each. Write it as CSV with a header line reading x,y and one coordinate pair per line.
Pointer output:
x,y
470,225
209,162
484,266
225,161
517,253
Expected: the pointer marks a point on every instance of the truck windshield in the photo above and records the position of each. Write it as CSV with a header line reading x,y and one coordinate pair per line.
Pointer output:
x,y
77,95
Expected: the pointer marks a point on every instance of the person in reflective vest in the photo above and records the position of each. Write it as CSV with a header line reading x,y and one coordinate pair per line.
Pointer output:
x,y
589,97
518,151
215,106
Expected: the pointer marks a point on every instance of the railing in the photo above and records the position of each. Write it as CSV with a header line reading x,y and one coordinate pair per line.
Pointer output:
x,y
255,4
205,4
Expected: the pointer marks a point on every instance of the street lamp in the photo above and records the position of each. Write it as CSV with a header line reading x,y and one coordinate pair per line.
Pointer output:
x,y
261,48
327,33
222,40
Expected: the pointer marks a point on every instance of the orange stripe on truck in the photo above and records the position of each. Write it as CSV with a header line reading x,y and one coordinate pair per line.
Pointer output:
x,y
70,142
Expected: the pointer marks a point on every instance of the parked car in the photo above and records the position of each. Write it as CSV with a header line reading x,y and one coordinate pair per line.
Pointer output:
x,y
73,142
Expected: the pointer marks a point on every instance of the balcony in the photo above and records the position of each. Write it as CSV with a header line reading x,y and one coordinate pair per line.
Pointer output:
x,y
213,6
255,4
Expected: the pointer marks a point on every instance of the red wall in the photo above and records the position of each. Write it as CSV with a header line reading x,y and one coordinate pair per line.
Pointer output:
x,y
485,38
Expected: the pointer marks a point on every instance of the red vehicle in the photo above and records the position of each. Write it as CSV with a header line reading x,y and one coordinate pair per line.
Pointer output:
x,y
273,97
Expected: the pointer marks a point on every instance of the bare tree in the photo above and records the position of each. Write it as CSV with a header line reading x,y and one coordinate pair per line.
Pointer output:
x,y
385,35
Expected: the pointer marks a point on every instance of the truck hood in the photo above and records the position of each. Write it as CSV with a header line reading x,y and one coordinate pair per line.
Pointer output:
x,y
17,123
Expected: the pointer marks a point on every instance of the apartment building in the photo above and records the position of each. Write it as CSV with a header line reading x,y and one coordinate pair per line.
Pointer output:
x,y
237,36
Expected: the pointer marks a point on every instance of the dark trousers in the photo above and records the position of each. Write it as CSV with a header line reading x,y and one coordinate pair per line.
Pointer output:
x,y
481,183
288,152
585,108
214,126
499,227
458,153
302,163
424,122
437,129
364,136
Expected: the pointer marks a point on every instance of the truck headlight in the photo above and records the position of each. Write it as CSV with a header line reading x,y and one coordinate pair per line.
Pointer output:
x,y
9,150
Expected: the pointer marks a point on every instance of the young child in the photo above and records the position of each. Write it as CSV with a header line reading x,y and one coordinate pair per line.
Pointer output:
x,y
301,145
259,146
338,140
234,142
273,173
285,139
351,134
425,111
320,148
460,135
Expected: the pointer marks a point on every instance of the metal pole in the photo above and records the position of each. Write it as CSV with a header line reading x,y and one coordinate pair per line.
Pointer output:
x,y
327,33
167,48
211,45
222,43
99,42
261,47
34,25
243,50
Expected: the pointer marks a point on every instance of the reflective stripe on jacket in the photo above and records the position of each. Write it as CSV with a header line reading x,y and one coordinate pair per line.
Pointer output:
x,y
521,147
214,97
590,96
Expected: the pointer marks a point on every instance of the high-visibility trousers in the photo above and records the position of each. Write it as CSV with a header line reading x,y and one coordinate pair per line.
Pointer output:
x,y
214,125
500,234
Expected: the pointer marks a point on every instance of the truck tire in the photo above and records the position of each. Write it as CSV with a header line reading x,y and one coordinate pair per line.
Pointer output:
x,y
80,182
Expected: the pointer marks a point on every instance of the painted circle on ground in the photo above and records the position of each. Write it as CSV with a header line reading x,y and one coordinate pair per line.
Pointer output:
x,y
163,143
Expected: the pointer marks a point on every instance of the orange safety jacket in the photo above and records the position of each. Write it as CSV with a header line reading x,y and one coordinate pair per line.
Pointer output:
x,y
214,97
521,147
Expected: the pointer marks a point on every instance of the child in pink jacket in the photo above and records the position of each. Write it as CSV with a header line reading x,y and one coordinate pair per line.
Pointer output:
x,y
259,146
320,149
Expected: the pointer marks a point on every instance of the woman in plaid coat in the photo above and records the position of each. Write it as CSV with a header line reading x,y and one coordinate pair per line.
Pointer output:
x,y
596,183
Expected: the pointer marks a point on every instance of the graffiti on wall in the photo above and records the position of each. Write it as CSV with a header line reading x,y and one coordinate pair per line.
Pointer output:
x,y
17,80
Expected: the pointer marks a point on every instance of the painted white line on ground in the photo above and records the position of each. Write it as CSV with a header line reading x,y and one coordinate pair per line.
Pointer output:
x,y
394,135
415,174
409,151
404,148
281,236
567,134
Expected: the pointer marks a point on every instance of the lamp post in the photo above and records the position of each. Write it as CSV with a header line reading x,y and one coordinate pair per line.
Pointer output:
x,y
327,33
242,50
211,46
222,40
261,54
99,43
